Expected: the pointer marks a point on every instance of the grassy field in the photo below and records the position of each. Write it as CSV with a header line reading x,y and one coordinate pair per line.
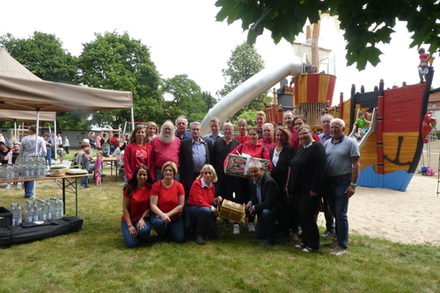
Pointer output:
x,y
95,259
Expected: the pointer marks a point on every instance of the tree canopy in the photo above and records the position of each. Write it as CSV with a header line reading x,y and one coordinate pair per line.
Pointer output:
x,y
187,98
365,23
243,64
115,61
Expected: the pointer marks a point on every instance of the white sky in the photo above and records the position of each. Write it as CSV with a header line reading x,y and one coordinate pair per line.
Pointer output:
x,y
184,38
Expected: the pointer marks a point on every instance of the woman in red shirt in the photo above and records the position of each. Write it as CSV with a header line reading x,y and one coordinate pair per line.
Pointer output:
x,y
243,194
137,152
136,208
201,205
242,135
166,201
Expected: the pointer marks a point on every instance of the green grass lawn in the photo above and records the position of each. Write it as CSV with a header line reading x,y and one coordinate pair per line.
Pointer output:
x,y
95,259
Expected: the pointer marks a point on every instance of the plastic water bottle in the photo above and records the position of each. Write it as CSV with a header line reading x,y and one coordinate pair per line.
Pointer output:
x,y
28,212
13,211
18,212
34,211
60,208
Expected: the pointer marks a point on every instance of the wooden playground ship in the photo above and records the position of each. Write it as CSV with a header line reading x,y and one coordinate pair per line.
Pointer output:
x,y
392,147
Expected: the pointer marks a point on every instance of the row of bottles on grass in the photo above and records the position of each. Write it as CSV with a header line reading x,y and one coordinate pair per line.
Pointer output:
x,y
37,210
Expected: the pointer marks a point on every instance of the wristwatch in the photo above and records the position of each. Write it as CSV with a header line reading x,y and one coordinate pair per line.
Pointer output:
x,y
353,184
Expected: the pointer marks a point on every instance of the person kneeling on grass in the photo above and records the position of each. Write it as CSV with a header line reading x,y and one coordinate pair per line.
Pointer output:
x,y
201,211
264,196
136,208
166,201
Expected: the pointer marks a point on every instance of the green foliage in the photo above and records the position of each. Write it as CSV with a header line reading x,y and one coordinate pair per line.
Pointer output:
x,y
187,98
115,61
44,56
95,259
242,65
365,23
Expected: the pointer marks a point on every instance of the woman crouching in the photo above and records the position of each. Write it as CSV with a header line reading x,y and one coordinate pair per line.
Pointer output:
x,y
201,202
166,201
136,208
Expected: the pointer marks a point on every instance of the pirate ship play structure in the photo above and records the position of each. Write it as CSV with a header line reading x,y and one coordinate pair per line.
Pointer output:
x,y
392,147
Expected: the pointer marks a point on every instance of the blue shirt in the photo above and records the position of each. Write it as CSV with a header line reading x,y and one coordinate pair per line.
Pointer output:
x,y
199,155
213,138
186,134
323,138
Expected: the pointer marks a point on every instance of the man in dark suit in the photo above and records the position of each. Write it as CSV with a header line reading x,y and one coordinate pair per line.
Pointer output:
x,y
264,196
194,153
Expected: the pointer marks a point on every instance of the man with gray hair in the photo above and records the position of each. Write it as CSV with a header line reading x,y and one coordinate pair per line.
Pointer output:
x,y
264,196
329,218
343,169
165,147
194,153
181,125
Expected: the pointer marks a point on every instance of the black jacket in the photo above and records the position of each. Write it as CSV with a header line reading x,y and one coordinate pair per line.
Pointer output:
x,y
187,175
269,193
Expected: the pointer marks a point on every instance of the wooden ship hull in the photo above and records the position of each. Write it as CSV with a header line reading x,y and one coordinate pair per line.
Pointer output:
x,y
391,152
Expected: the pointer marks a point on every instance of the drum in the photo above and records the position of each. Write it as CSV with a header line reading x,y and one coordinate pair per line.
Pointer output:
x,y
232,211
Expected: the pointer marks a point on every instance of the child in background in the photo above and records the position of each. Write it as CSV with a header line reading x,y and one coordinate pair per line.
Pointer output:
x,y
98,167
361,125
61,153
85,164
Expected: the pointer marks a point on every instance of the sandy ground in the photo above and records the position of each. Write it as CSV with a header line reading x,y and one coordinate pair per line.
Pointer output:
x,y
411,217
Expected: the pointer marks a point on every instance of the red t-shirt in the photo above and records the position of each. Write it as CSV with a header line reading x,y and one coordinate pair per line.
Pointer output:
x,y
201,196
134,156
162,153
270,145
114,141
168,197
139,202
242,139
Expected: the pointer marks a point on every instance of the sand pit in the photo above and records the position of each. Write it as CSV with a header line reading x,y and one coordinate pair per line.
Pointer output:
x,y
411,217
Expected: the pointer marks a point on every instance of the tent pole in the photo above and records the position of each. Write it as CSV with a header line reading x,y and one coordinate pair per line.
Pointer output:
x,y
55,132
15,130
36,145
132,119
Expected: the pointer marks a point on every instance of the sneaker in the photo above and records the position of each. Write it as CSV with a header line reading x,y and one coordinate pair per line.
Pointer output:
x,y
251,227
200,240
328,234
309,250
338,251
236,230
300,245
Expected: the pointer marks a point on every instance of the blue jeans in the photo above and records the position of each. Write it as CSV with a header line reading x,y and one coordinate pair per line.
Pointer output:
x,y
49,157
201,220
339,206
28,189
265,228
85,181
131,241
174,230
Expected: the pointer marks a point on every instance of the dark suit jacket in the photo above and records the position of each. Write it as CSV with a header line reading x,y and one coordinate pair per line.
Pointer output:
x,y
269,193
187,175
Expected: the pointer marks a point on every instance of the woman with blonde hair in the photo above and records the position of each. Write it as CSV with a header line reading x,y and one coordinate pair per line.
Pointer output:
x,y
201,213
166,200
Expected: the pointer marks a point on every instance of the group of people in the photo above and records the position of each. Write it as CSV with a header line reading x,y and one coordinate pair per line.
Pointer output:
x,y
176,179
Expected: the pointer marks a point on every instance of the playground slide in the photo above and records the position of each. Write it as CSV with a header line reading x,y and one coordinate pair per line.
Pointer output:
x,y
364,138
249,90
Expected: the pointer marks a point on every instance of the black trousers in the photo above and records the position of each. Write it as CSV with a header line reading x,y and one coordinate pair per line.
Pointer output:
x,y
307,208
